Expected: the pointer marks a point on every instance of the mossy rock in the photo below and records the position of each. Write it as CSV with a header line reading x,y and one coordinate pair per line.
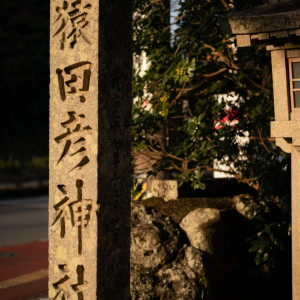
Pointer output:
x,y
178,209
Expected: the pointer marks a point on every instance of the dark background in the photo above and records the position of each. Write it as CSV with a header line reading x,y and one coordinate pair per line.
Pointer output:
x,y
24,79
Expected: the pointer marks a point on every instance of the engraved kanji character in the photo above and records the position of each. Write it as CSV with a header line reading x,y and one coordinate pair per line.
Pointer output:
x,y
78,81
78,211
72,21
65,289
72,137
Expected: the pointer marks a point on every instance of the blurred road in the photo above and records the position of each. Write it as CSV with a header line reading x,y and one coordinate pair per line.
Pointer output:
x,y
24,248
24,271
23,220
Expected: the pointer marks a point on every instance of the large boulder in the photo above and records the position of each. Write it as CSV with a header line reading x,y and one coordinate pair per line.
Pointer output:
x,y
211,230
181,279
142,286
155,239
162,266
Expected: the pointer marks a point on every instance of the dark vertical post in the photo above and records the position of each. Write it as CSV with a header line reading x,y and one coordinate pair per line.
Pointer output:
x,y
114,158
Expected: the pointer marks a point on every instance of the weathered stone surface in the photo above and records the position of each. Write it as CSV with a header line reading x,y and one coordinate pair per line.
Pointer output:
x,y
73,148
295,223
142,286
261,19
280,86
171,271
155,239
199,227
89,159
210,229
226,273
178,209
181,279
166,189
241,204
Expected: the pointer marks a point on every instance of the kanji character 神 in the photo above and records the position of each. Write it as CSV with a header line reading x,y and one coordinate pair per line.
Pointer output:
x,y
78,211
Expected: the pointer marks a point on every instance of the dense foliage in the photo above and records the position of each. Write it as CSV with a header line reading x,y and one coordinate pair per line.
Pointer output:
x,y
177,115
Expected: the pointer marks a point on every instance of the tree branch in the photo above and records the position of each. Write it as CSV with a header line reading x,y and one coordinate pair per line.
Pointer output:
x,y
262,140
225,5
215,73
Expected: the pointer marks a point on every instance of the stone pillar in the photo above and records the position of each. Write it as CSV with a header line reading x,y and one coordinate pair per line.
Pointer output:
x,y
89,159
286,130
296,223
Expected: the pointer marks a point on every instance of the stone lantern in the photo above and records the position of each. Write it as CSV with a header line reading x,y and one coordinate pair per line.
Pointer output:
x,y
277,26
